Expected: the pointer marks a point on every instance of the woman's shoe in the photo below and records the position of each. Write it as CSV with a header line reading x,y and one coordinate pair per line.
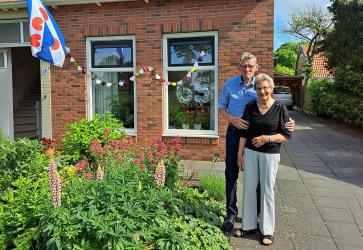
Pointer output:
x,y
267,240
239,233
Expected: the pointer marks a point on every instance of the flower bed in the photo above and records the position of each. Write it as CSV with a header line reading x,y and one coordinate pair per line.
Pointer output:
x,y
122,194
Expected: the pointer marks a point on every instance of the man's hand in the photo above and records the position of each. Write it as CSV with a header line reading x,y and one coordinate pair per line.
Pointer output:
x,y
240,162
239,123
290,125
259,141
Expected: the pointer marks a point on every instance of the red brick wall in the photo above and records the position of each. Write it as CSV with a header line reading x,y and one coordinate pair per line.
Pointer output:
x,y
243,25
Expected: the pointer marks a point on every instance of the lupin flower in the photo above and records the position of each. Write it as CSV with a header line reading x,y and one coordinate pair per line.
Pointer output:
x,y
100,173
55,183
160,174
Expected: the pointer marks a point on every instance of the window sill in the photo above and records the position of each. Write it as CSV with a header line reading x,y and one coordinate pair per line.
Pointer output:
x,y
191,135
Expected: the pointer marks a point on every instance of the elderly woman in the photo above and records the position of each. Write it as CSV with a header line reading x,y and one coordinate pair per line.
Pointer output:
x,y
259,156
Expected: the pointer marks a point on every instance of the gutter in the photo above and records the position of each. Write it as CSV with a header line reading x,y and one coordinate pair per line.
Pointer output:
x,y
15,5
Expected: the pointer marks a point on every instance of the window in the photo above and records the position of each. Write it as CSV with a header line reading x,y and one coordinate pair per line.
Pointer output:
x,y
111,61
14,32
3,59
190,106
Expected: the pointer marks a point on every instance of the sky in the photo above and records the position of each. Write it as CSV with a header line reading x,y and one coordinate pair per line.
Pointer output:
x,y
283,9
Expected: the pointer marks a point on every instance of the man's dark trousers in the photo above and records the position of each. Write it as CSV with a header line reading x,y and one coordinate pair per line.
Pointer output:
x,y
231,173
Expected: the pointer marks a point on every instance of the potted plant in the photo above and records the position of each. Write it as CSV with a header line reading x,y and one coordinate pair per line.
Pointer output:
x,y
198,120
182,119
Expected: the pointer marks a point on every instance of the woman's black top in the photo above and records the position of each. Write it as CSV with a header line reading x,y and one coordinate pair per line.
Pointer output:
x,y
270,123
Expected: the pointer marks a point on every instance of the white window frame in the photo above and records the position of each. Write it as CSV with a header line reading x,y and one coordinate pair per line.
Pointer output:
x,y
5,57
189,132
22,40
89,40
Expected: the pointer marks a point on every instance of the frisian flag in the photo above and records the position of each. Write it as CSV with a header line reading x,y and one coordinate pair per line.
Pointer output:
x,y
46,39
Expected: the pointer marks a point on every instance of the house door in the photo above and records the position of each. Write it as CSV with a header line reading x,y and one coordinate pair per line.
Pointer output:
x,y
6,94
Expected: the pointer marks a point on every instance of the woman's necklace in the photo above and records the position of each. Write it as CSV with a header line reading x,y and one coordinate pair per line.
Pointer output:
x,y
263,107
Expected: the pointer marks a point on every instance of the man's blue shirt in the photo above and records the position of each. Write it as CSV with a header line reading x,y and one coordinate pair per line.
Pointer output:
x,y
235,95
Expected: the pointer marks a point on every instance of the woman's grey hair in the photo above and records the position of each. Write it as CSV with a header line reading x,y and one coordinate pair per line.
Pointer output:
x,y
247,56
264,77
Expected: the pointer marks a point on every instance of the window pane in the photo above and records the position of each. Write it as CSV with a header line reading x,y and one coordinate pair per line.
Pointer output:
x,y
186,51
117,99
192,103
115,54
10,33
26,31
2,59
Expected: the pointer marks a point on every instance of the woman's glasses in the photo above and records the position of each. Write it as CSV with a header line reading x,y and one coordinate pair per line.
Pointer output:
x,y
259,89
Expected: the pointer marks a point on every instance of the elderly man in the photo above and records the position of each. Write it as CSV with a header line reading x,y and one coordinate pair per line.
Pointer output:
x,y
237,92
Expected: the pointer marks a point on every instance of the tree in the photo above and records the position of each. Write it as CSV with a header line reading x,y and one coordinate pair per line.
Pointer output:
x,y
311,25
285,57
284,70
343,46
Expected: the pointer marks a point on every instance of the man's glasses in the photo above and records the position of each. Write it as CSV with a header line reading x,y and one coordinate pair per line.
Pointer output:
x,y
245,66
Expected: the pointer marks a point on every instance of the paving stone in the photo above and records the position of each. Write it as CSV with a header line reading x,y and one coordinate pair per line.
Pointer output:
x,y
358,217
329,202
307,222
345,246
297,203
345,233
312,242
288,186
282,241
329,192
315,169
314,182
337,214
324,176
288,175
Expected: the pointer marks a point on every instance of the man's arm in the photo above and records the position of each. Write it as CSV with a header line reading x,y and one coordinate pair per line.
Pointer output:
x,y
237,121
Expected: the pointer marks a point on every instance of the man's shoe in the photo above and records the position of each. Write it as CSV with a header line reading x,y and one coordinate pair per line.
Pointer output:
x,y
228,223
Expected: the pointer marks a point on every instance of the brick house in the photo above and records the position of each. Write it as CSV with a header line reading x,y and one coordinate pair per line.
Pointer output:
x,y
319,64
113,40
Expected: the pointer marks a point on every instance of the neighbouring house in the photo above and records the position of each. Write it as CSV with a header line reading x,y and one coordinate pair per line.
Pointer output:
x,y
319,70
113,40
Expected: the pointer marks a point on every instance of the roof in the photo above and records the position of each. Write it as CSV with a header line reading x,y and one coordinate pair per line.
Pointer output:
x,y
319,64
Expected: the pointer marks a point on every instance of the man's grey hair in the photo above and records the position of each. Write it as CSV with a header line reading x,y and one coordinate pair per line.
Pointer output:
x,y
247,56
262,77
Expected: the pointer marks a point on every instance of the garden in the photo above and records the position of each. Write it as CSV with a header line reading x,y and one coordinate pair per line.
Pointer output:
x,y
102,190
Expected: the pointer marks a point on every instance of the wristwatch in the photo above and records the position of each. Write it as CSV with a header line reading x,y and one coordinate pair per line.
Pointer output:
x,y
269,138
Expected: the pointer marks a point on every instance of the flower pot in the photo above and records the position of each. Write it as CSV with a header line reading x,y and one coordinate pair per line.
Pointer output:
x,y
185,126
198,126
49,151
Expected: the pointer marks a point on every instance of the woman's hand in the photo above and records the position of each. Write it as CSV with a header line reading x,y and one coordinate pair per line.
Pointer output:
x,y
290,125
240,161
259,141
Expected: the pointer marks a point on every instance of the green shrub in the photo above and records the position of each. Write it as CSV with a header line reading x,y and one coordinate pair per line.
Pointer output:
x,y
190,202
214,185
23,157
123,210
20,212
329,100
103,128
